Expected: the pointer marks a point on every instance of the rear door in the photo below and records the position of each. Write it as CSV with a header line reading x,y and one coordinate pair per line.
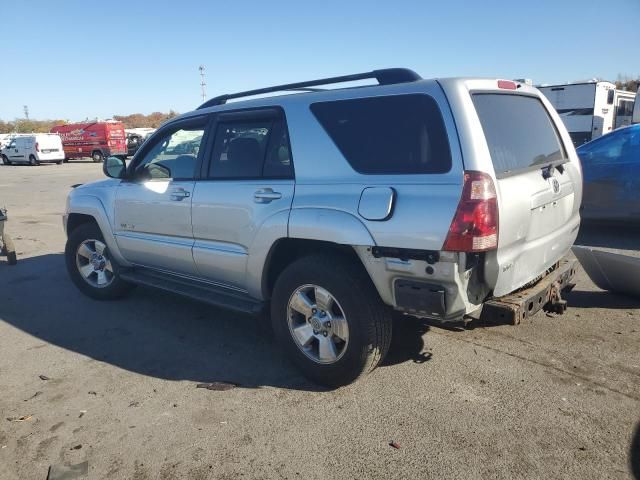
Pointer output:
x,y
116,139
611,168
539,188
244,195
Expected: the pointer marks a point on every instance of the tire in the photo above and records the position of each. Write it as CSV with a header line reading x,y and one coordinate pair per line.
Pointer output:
x,y
97,156
5,160
66,160
33,161
59,162
12,259
89,235
368,319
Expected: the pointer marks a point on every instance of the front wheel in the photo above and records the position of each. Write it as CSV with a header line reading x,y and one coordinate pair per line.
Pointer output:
x,y
91,266
5,160
329,319
97,157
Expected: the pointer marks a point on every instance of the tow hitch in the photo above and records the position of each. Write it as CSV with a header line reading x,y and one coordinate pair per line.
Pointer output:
x,y
545,295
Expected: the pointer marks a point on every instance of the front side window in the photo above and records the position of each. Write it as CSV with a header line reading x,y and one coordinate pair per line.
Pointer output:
x,y
400,134
251,149
174,155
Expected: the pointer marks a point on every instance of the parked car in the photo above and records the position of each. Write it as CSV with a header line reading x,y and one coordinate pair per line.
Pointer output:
x,y
611,169
134,141
33,149
334,208
96,140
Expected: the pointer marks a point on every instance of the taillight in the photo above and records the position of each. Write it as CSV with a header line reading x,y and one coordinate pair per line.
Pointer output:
x,y
37,147
475,225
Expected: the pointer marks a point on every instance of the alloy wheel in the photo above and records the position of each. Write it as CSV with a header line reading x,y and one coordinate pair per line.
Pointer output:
x,y
317,324
94,264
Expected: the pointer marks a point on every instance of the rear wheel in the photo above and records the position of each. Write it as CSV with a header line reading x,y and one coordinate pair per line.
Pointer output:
x,y
5,160
59,162
97,156
91,266
329,319
33,161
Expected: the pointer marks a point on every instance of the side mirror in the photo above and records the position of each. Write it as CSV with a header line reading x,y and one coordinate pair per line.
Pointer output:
x,y
114,167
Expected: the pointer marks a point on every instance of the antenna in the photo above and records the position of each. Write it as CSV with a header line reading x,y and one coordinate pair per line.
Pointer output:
x,y
26,111
203,84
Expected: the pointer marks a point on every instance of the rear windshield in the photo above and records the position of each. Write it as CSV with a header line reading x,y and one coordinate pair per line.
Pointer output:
x,y
400,134
519,132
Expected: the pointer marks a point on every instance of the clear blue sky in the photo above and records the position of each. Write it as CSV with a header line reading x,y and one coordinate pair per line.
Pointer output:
x,y
77,59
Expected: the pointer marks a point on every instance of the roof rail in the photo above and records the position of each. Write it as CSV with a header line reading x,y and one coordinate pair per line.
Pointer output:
x,y
387,76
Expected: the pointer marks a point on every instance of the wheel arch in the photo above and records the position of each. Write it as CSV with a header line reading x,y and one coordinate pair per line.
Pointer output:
x,y
86,208
287,250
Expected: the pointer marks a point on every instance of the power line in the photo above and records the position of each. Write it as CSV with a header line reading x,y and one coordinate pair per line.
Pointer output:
x,y
203,84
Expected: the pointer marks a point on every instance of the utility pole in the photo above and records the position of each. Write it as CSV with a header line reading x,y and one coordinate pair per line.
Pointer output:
x,y
203,84
26,111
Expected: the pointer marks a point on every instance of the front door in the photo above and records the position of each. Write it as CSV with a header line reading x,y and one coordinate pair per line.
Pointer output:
x,y
244,197
153,211
16,150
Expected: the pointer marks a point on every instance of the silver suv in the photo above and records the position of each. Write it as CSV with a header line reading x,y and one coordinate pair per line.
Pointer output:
x,y
442,198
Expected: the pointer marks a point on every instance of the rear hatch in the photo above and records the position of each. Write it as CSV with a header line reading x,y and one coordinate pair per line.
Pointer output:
x,y
517,138
49,144
116,139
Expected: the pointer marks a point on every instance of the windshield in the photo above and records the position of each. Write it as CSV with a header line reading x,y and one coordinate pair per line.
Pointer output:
x,y
519,132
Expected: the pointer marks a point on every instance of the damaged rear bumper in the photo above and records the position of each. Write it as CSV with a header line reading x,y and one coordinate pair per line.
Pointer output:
x,y
546,294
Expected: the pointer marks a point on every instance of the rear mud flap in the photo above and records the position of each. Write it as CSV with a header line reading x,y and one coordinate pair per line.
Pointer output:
x,y
544,295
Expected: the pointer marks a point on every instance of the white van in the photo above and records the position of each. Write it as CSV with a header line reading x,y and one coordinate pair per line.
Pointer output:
x,y
34,149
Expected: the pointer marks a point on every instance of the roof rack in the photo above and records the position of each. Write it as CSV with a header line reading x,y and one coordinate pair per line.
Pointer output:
x,y
387,76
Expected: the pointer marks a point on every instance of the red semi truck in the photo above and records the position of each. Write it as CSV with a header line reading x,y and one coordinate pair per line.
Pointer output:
x,y
97,140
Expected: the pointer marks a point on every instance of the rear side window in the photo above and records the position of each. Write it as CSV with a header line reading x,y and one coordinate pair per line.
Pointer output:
x,y
518,130
403,134
251,149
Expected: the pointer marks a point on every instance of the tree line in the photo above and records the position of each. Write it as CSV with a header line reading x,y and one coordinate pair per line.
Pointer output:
x,y
135,120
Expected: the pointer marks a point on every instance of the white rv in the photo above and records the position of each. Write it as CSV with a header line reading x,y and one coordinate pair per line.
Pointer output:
x,y
590,110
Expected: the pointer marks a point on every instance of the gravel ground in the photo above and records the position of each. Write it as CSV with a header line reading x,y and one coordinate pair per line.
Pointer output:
x,y
555,397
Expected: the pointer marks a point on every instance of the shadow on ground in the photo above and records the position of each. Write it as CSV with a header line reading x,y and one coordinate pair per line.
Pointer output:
x,y
600,299
635,453
158,334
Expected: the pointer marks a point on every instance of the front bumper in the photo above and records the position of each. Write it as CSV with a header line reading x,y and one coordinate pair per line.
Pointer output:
x,y
546,294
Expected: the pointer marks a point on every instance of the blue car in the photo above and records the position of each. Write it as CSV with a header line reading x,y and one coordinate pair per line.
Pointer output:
x,y
611,173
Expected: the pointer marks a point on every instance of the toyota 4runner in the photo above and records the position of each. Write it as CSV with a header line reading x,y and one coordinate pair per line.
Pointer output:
x,y
442,198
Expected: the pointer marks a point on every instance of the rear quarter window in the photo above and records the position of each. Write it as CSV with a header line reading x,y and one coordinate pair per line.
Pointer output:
x,y
403,134
519,132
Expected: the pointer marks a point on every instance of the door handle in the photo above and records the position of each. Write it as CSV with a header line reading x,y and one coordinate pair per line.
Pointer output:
x,y
266,195
179,194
